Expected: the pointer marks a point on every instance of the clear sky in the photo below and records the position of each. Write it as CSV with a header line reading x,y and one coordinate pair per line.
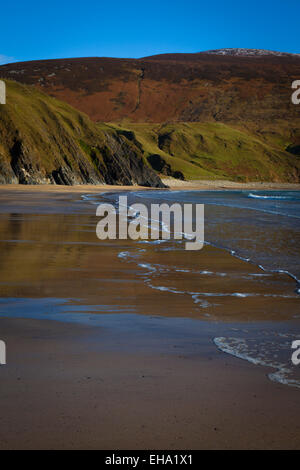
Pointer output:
x,y
38,30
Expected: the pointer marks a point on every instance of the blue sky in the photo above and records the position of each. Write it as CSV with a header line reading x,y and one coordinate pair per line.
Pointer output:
x,y
35,30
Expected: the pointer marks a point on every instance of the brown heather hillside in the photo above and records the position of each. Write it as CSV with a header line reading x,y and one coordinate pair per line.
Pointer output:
x,y
170,87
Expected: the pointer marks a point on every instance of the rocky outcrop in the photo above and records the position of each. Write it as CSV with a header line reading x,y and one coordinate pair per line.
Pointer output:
x,y
294,149
160,165
124,164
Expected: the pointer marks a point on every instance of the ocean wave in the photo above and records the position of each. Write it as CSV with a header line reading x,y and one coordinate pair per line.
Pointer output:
x,y
258,355
153,271
267,270
235,253
264,196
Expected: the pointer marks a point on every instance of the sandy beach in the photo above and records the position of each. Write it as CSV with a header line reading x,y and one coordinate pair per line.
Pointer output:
x,y
65,388
100,356
223,184
171,183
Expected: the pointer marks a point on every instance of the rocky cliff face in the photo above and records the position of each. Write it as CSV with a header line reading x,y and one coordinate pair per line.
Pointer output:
x,y
45,141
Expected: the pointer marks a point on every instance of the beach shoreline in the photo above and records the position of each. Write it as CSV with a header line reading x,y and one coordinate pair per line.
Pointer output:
x,y
172,183
209,185
150,378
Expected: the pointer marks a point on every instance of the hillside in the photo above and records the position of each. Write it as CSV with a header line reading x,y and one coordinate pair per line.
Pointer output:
x,y
213,151
201,87
43,140
223,114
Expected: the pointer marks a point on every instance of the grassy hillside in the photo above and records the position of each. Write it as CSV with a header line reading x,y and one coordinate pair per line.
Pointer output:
x,y
43,140
216,151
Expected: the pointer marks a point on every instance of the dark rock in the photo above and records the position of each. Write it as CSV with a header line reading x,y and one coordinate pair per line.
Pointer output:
x,y
159,164
294,149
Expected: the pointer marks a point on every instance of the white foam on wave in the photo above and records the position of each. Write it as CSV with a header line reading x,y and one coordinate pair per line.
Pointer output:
x,y
148,266
172,290
123,254
153,271
238,347
262,196
260,266
153,242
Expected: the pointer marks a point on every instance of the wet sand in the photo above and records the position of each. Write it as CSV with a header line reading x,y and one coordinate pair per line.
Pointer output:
x,y
102,359
65,387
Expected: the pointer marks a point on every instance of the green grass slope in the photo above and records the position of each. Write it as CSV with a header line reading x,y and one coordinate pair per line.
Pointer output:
x,y
43,140
211,150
